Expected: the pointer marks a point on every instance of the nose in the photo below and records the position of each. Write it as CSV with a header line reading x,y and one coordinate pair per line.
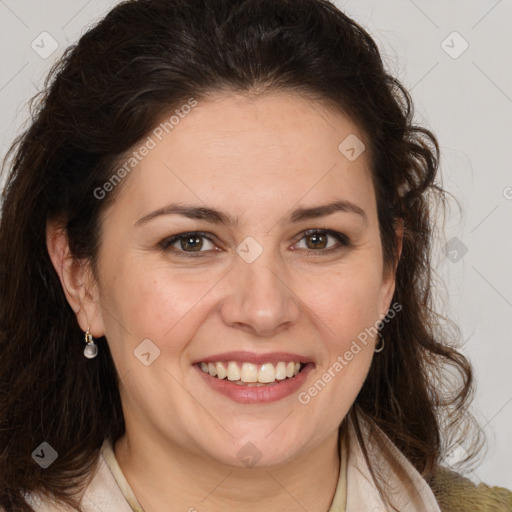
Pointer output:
x,y
260,299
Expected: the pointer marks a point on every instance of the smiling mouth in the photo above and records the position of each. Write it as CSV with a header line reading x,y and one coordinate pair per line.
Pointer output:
x,y
252,375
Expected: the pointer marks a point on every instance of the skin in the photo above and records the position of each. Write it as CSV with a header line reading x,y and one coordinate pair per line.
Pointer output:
x,y
257,159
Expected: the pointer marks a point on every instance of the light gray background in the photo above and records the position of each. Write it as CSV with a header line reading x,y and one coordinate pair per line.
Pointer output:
x,y
466,101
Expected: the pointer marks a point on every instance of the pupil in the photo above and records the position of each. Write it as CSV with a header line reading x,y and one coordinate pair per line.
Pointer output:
x,y
317,237
191,241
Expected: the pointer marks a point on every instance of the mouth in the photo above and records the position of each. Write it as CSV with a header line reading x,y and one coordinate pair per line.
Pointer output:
x,y
251,374
254,382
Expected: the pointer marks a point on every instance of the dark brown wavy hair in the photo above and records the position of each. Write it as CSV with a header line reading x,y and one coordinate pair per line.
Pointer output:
x,y
108,91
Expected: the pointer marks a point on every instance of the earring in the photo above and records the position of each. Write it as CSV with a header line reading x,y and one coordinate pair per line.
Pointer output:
x,y
381,348
91,349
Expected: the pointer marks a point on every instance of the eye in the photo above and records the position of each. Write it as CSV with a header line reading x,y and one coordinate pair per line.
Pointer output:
x,y
192,244
317,240
189,243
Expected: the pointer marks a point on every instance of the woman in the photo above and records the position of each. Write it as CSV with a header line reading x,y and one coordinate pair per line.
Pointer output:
x,y
215,275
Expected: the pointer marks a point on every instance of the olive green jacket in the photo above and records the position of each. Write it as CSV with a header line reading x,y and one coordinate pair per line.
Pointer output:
x,y
455,493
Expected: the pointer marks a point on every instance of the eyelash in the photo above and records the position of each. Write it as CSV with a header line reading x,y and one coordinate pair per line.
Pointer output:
x,y
343,240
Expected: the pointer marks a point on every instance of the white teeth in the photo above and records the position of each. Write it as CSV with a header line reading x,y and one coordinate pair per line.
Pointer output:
x,y
221,371
267,373
249,373
280,371
233,371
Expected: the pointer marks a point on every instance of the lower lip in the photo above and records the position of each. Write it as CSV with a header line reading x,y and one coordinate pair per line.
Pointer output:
x,y
257,394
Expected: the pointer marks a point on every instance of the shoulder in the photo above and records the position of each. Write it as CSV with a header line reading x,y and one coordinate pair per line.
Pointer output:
x,y
456,493
102,493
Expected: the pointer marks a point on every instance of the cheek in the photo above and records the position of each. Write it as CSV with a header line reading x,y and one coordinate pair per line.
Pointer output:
x,y
351,318
347,300
144,301
347,303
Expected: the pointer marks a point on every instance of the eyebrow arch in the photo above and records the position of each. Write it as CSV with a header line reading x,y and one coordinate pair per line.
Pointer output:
x,y
219,217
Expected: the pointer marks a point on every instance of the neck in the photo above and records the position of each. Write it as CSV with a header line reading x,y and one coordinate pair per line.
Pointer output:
x,y
173,479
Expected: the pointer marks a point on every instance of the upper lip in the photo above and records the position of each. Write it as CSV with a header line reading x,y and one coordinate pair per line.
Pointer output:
x,y
253,357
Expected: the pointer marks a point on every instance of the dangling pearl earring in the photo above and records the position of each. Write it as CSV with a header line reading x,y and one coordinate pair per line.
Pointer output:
x,y
91,349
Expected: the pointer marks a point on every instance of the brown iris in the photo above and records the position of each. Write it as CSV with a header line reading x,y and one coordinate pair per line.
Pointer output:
x,y
321,241
194,243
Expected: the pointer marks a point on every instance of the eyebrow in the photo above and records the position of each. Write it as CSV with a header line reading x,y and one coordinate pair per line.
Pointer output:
x,y
219,217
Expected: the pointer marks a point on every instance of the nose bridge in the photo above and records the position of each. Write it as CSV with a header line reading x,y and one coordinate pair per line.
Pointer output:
x,y
259,296
264,281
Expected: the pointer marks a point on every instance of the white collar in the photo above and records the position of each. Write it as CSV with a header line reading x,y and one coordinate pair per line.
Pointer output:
x,y
406,488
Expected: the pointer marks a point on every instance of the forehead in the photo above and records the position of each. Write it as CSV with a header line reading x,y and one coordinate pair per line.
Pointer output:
x,y
235,151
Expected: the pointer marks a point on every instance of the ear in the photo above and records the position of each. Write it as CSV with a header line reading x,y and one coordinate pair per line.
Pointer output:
x,y
78,283
389,280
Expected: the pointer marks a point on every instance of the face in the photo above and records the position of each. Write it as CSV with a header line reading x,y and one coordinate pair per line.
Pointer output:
x,y
248,272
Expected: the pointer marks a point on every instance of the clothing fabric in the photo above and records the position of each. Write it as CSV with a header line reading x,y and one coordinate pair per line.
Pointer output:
x,y
109,490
